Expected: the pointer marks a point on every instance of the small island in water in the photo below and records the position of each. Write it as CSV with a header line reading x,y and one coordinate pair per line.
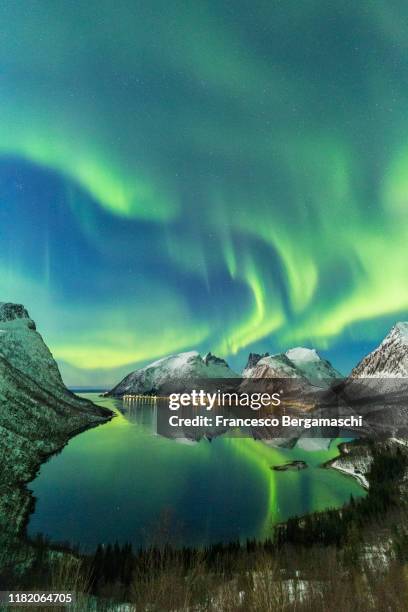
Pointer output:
x,y
290,466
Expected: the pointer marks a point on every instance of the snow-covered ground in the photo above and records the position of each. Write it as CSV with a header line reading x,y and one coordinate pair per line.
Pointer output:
x,y
355,460
350,470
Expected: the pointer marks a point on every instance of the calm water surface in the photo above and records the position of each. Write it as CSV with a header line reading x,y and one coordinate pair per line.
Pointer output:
x,y
122,482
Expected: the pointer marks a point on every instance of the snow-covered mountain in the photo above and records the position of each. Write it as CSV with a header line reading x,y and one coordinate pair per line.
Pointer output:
x,y
312,365
295,363
37,413
182,367
389,359
275,366
377,387
23,347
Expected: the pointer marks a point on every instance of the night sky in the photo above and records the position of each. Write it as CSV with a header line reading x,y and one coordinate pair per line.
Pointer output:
x,y
219,175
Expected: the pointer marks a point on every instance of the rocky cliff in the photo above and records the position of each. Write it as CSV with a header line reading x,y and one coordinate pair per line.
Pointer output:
x,y
38,414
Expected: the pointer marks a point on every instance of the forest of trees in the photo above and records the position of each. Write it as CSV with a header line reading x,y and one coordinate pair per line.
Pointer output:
x,y
342,528
336,526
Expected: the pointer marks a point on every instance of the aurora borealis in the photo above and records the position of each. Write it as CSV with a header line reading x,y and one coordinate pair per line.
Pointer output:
x,y
226,176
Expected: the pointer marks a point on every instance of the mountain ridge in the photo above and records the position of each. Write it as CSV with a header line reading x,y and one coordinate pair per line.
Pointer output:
x,y
297,362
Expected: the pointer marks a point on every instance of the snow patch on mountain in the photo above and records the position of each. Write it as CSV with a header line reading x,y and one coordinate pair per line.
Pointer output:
x,y
312,365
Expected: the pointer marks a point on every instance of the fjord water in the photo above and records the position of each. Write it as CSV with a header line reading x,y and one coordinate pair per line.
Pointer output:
x,y
123,482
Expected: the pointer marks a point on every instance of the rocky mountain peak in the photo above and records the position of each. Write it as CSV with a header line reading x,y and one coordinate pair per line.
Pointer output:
x,y
213,359
389,359
24,348
11,312
253,359
275,366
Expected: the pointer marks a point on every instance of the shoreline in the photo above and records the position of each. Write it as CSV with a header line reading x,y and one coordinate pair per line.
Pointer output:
x,y
22,486
359,477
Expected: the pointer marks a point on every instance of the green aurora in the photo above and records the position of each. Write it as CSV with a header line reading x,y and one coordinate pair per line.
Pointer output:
x,y
216,175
